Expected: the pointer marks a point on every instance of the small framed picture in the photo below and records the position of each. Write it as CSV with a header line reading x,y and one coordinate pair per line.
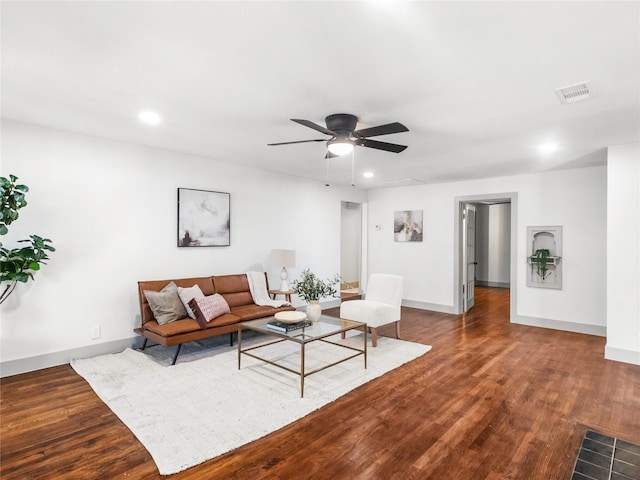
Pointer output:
x,y
203,218
407,226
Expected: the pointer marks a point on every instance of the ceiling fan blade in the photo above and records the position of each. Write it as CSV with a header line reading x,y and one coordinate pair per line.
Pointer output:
x,y
330,155
315,126
389,147
297,141
394,127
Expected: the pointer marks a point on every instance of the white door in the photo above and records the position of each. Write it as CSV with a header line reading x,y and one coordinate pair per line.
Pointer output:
x,y
468,255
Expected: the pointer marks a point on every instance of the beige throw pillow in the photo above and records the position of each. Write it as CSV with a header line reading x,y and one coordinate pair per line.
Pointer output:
x,y
166,304
186,294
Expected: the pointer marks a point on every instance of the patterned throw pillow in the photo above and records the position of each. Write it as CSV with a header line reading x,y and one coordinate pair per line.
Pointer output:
x,y
208,308
165,304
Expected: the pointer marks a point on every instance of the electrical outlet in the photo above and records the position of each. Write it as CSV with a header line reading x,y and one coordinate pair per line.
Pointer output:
x,y
95,332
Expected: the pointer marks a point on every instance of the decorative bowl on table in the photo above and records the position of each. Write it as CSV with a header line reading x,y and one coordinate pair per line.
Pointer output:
x,y
290,317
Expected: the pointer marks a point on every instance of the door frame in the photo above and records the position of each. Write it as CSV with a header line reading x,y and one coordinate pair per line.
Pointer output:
x,y
511,197
363,252
464,280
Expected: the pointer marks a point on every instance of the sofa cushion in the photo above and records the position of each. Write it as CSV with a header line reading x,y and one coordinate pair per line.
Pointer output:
x,y
225,319
188,293
374,314
166,304
253,311
208,308
234,288
186,325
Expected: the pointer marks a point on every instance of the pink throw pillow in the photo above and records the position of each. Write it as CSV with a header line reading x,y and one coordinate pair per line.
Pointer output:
x,y
208,308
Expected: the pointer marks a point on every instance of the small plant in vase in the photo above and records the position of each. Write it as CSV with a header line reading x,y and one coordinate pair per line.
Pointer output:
x,y
540,261
311,289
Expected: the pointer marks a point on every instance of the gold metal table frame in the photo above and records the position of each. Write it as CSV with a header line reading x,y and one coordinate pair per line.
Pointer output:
x,y
325,327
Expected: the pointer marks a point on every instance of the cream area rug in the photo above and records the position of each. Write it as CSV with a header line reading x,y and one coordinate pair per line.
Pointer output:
x,y
204,406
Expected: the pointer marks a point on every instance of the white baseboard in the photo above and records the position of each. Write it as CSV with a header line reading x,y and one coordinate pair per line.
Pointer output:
x,y
598,330
29,364
487,283
622,355
428,306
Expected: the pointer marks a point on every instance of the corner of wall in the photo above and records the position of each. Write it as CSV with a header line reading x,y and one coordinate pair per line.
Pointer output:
x,y
621,355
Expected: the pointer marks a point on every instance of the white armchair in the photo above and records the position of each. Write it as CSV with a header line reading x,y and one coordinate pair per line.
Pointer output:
x,y
380,306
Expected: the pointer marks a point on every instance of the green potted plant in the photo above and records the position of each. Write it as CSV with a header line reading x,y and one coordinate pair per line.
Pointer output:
x,y
311,289
18,264
539,259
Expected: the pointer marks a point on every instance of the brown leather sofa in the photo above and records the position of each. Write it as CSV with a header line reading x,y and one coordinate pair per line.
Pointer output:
x,y
234,289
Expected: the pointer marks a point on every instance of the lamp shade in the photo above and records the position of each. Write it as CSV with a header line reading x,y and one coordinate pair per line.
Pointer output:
x,y
283,258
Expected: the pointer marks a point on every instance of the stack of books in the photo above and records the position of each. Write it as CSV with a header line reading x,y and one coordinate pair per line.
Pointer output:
x,y
283,327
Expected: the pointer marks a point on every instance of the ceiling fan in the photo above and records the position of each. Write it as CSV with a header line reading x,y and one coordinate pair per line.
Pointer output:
x,y
344,136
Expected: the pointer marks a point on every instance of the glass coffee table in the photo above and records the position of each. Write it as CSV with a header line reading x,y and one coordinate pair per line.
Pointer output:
x,y
319,331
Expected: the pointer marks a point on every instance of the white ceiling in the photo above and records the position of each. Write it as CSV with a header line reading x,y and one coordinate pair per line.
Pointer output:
x,y
473,81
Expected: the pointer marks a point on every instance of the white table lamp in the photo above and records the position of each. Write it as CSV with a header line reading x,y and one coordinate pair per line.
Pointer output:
x,y
283,258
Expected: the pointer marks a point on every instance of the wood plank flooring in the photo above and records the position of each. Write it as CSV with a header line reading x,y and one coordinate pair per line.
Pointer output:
x,y
491,400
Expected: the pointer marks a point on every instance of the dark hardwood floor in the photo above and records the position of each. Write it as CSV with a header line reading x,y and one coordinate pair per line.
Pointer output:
x,y
491,400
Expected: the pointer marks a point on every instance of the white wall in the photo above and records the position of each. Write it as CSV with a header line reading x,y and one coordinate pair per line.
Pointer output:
x,y
575,199
110,209
623,254
493,244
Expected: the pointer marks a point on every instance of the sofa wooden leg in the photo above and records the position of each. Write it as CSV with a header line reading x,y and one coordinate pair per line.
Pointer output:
x,y
175,357
231,339
398,329
144,344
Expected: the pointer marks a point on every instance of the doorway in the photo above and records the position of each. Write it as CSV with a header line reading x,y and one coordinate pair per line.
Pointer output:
x,y
485,236
351,241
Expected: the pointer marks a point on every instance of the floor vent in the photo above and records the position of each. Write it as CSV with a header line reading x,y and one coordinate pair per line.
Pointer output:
x,y
602,457
574,93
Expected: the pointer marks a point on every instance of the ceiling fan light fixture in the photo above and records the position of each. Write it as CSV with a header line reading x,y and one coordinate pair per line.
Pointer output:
x,y
340,146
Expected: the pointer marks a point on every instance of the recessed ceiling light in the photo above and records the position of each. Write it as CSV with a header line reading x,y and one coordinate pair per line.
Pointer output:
x,y
149,118
548,147
367,174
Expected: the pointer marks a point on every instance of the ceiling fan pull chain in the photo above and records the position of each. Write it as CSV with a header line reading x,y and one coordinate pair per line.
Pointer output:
x,y
326,174
353,167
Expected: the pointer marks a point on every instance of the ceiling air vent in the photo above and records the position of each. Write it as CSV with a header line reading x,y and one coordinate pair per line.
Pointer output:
x,y
574,93
404,182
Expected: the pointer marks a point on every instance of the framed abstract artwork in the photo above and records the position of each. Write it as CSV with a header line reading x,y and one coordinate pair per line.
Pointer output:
x,y
407,226
203,218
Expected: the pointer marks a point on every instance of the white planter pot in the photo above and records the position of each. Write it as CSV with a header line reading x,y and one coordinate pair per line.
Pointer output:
x,y
314,310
